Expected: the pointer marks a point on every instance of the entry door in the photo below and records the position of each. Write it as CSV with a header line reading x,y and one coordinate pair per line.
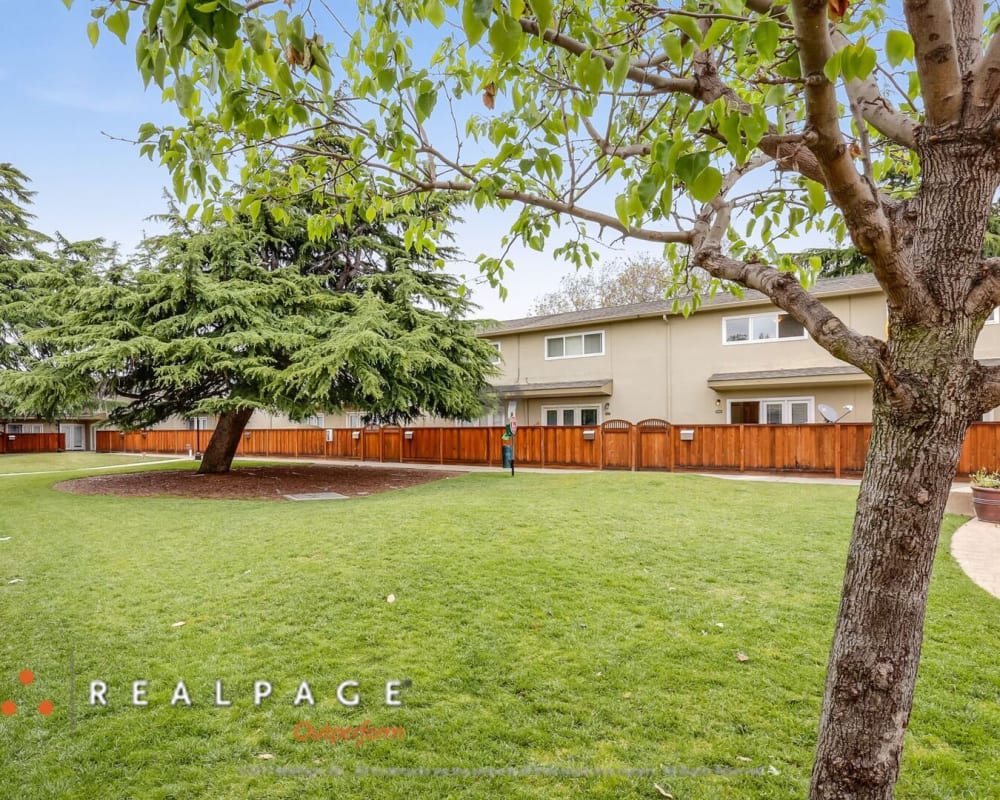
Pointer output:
x,y
75,437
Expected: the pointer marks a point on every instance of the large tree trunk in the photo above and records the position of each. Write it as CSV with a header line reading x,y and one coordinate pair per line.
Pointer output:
x,y
225,439
924,402
873,663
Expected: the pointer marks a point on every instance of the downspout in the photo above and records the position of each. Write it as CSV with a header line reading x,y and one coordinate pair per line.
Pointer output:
x,y
666,370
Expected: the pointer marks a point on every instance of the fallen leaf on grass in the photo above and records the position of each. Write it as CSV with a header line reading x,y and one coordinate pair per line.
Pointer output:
x,y
5,539
266,756
742,657
742,758
178,624
663,791
16,580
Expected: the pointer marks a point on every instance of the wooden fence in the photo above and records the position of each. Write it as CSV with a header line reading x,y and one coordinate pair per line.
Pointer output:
x,y
32,442
652,444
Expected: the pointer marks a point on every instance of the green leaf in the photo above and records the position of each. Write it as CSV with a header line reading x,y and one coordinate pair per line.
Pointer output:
x,y
543,13
691,165
482,9
706,185
505,37
647,188
863,62
93,32
425,104
621,209
153,15
765,38
258,35
817,196
832,67
473,26
207,7
117,23
688,25
620,69
434,12
590,71
898,47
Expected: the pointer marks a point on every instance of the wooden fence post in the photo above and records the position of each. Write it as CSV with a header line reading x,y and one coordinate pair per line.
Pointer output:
x,y
742,447
836,451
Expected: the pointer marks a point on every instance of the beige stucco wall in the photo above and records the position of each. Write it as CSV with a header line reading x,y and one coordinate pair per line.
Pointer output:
x,y
697,351
635,359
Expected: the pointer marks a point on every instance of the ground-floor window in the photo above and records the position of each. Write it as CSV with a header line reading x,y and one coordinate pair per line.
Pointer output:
x,y
571,415
24,427
772,411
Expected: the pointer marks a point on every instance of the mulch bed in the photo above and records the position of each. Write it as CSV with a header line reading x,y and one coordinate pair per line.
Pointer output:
x,y
256,483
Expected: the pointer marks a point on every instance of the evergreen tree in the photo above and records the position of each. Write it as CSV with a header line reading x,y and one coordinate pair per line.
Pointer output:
x,y
253,314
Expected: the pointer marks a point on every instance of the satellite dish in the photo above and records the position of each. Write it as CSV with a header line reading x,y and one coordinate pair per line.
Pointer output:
x,y
829,414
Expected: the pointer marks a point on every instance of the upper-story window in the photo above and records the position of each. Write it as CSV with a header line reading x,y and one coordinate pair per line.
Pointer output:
x,y
575,345
994,317
761,328
497,358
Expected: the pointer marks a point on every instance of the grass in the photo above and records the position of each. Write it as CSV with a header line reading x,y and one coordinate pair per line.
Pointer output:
x,y
23,463
579,622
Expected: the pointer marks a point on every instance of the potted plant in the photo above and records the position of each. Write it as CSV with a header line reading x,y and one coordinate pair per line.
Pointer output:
x,y
986,494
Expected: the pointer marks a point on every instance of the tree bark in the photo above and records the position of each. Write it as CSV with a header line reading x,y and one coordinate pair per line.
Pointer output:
x,y
873,662
225,439
924,400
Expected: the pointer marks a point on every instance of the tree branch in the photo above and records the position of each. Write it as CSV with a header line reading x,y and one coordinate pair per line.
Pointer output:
x,y
637,74
875,109
870,228
984,389
985,293
986,81
784,290
968,23
561,207
931,26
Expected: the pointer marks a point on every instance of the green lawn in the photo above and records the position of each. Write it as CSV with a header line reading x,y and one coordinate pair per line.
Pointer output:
x,y
574,622
57,462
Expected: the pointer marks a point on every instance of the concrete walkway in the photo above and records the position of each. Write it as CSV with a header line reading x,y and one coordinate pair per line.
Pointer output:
x,y
976,548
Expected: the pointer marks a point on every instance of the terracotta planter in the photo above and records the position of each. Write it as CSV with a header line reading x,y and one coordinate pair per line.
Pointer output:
x,y
986,502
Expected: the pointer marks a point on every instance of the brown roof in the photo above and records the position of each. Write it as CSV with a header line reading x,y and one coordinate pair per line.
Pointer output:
x,y
657,308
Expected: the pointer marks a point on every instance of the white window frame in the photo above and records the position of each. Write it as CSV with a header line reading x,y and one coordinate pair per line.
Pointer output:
x,y
786,408
577,411
750,338
354,419
24,427
994,316
498,358
582,336
198,423
316,420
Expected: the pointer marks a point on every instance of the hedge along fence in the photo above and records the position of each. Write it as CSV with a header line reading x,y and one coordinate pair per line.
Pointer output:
x,y
32,442
651,444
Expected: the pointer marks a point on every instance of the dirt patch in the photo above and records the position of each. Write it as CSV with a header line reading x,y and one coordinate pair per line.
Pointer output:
x,y
256,483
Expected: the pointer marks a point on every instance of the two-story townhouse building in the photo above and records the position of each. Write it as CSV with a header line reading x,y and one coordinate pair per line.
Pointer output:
x,y
735,360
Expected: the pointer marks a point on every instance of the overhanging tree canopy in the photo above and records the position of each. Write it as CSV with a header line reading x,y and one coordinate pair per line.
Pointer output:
x,y
714,129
